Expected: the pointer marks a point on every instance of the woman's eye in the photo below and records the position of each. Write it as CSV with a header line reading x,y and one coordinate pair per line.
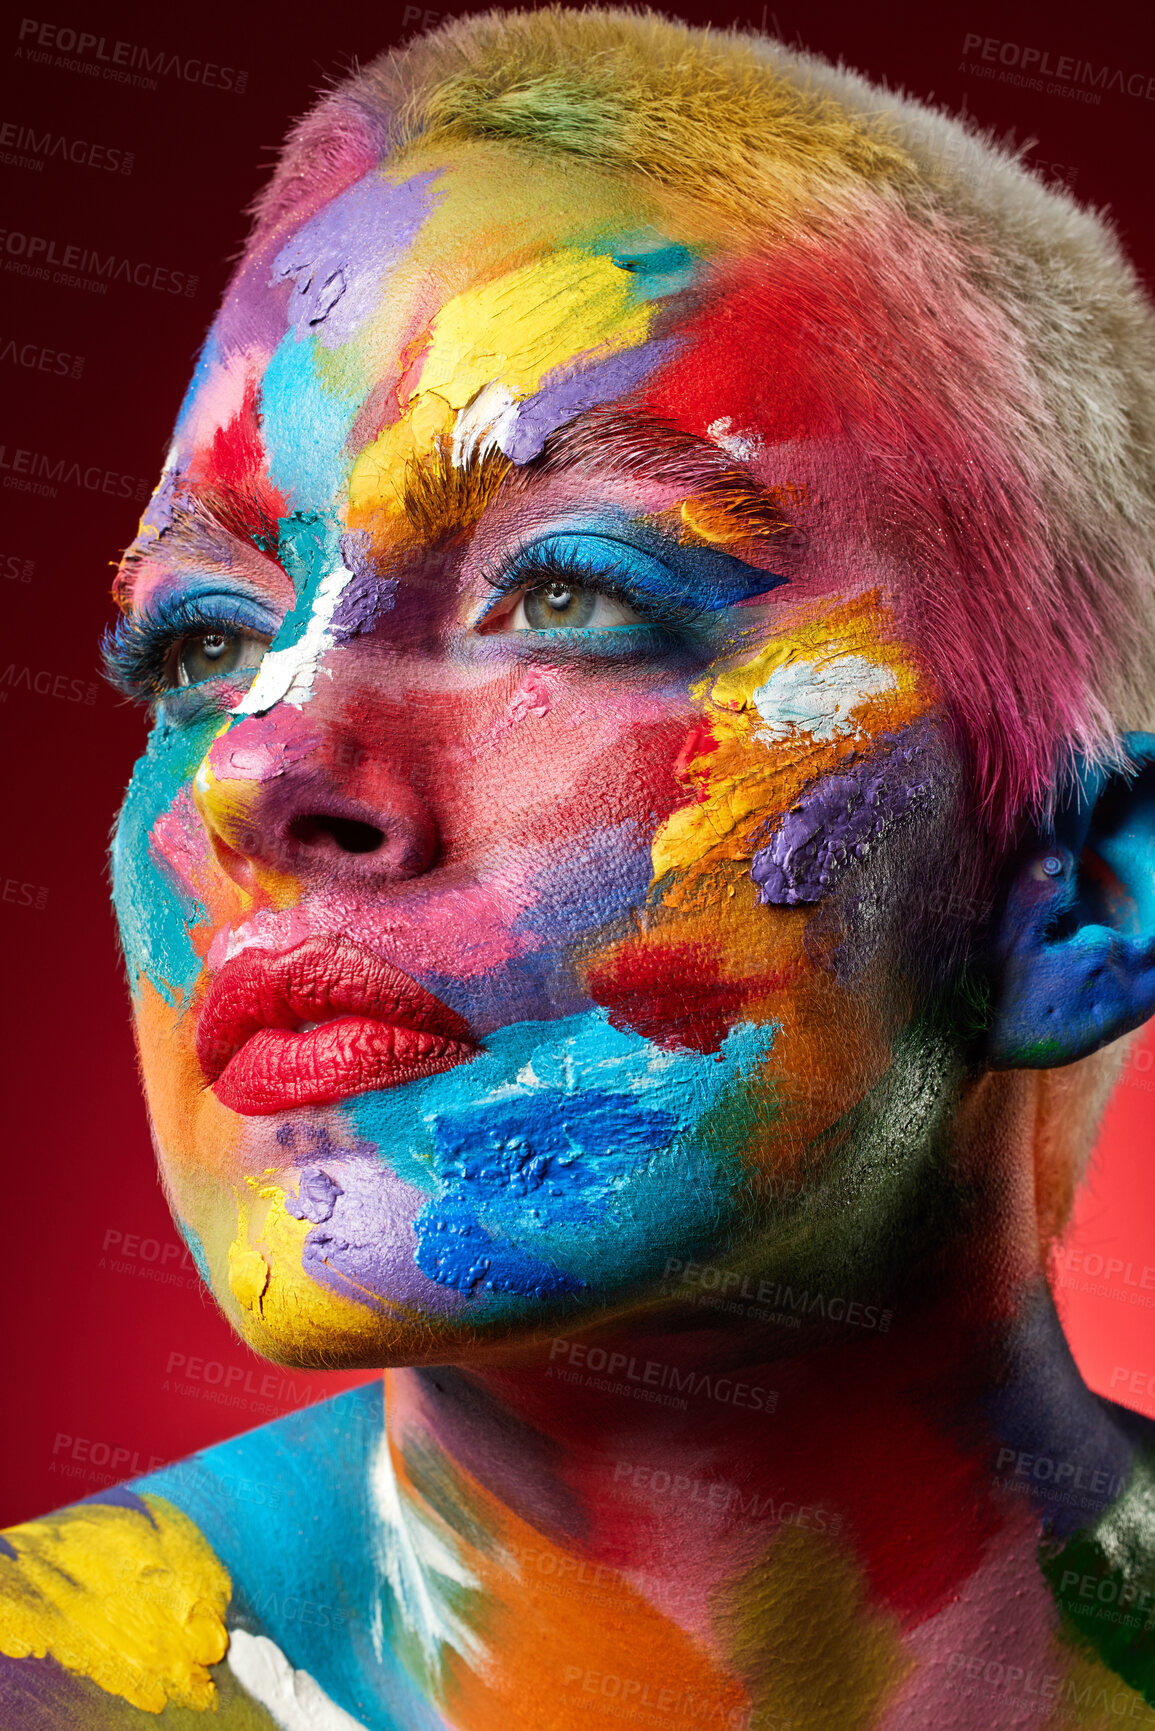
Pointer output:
x,y
204,655
561,605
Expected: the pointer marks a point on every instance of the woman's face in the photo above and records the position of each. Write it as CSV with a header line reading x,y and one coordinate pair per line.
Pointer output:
x,y
512,924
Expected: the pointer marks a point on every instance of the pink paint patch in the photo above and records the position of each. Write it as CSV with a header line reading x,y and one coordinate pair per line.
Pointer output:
x,y
463,932
177,845
261,752
534,696
1004,1617
220,398
282,929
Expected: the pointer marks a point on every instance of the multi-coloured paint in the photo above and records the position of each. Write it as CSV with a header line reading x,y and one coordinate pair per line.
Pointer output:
x,y
575,667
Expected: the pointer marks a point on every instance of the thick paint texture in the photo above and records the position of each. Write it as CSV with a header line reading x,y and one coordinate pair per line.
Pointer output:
x,y
125,1593
595,917
592,698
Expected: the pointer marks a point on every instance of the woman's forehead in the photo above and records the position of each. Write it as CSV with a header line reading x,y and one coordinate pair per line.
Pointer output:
x,y
511,292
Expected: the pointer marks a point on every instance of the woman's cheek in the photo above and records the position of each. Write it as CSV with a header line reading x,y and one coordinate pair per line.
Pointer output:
x,y
169,897
158,864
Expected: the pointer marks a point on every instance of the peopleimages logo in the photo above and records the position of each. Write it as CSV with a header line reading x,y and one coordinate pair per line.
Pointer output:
x,y
652,1376
37,472
35,255
121,62
25,147
1064,69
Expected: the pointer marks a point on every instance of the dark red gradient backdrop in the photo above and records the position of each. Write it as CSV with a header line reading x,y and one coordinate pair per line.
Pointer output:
x,y
115,1357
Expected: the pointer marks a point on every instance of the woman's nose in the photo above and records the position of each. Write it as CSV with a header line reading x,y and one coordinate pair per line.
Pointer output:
x,y
278,796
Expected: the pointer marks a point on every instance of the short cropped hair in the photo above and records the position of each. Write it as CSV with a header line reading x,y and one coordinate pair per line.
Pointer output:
x,y
988,349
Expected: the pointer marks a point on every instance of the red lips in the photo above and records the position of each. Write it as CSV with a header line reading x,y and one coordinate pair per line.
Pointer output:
x,y
378,1028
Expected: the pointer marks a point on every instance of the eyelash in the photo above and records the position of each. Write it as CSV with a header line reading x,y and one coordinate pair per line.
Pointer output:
x,y
136,650
532,567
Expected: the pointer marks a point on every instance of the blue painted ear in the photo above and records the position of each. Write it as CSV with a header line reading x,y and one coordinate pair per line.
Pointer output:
x,y
1074,964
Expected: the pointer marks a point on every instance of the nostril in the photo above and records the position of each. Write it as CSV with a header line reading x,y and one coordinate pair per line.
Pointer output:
x,y
349,835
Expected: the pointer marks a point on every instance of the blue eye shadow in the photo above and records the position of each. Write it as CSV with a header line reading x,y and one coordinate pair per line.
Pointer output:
x,y
676,579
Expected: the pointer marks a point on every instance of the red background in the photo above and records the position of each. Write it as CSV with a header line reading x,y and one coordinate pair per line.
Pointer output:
x,y
116,1356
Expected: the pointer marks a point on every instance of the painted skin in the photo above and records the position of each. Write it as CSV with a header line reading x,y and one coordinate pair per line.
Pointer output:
x,y
715,1446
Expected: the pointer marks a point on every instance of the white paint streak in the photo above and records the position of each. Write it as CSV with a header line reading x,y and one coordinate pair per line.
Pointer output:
x,y
486,421
819,697
418,1555
295,1699
286,675
743,447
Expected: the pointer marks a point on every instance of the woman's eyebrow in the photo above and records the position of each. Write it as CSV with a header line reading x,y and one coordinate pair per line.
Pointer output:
x,y
642,447
443,497
193,539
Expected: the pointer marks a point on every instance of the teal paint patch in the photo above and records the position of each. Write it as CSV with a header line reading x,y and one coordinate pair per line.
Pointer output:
x,y
656,271
153,910
195,1248
309,549
304,426
289,1510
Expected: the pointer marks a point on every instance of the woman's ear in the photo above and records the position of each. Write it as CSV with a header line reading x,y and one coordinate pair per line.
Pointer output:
x,y
1074,960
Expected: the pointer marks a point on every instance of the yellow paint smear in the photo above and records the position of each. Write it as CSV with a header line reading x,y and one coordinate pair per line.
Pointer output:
x,y
510,332
136,1605
522,325
743,778
813,1649
228,806
284,1312
1091,1692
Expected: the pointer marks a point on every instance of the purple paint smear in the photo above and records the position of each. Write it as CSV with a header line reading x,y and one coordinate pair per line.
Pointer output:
x,y
568,390
839,820
362,1238
158,512
336,262
367,596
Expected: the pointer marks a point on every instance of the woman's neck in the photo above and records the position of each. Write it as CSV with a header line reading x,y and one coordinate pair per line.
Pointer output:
x,y
661,1501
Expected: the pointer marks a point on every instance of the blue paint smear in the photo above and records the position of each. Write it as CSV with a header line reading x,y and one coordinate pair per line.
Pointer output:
x,y
304,425
567,1146
195,1248
524,1147
668,583
288,1510
454,1250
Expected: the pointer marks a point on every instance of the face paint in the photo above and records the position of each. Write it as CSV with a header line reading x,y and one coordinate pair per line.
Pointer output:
x,y
578,1085
573,661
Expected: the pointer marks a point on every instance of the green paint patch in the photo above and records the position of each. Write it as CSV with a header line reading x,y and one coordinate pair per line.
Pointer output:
x,y
1103,1581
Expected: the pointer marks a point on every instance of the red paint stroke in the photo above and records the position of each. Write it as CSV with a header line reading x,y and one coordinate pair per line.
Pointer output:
x,y
676,995
230,478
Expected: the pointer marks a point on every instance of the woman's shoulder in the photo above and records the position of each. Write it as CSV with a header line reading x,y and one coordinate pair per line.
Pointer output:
x,y
221,1584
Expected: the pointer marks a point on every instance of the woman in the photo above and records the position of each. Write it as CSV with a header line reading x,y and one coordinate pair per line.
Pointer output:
x,y
644,829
